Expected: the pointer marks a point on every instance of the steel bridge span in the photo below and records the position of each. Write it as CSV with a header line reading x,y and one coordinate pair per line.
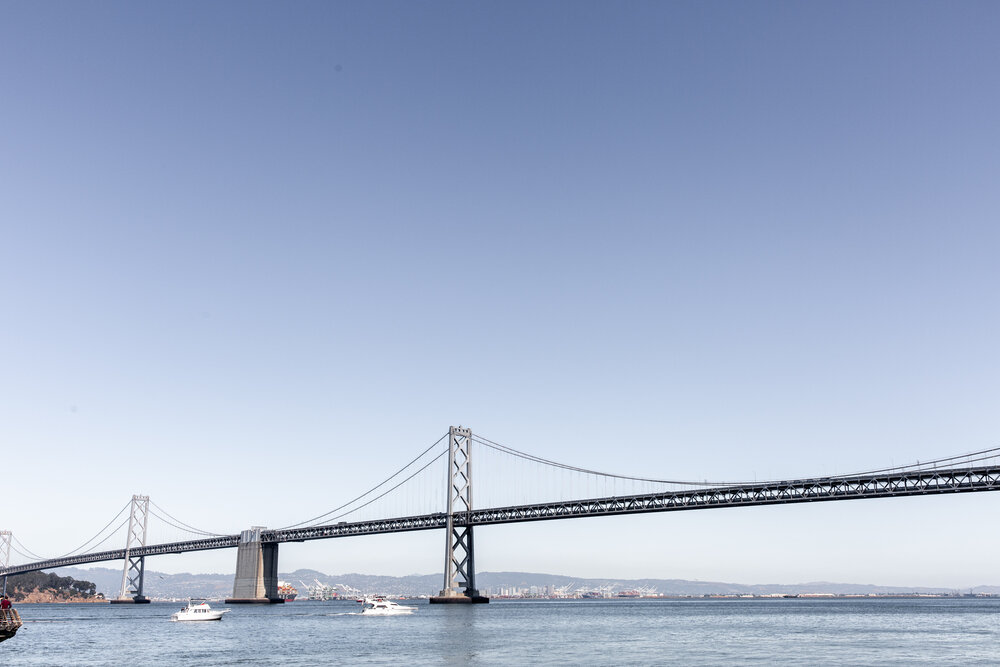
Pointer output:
x,y
461,520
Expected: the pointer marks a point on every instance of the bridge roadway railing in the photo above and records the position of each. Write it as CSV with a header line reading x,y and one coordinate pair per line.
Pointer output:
x,y
343,529
220,542
884,485
349,529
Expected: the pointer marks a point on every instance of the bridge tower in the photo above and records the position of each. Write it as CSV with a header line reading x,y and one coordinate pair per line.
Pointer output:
x,y
459,561
4,555
135,566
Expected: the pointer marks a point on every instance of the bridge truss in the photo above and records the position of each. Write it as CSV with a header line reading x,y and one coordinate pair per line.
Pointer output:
x,y
916,483
853,487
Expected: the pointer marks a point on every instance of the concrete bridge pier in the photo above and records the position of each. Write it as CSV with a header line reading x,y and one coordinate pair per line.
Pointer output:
x,y
256,579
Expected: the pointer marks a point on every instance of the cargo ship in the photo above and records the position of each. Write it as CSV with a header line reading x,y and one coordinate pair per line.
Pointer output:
x,y
286,591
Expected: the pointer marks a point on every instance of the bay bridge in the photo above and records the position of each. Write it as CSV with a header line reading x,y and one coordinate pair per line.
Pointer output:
x,y
579,493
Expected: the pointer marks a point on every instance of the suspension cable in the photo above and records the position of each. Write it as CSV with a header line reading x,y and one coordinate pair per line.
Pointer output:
x,y
537,459
971,457
93,547
110,535
182,525
369,491
982,455
21,544
21,553
82,546
388,491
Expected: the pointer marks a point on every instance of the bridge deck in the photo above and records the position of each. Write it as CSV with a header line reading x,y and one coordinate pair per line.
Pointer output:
x,y
886,485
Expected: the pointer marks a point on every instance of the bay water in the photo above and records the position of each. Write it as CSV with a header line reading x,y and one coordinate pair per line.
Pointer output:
x,y
801,631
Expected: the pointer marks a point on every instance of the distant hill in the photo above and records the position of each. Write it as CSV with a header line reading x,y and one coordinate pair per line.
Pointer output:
x,y
157,584
50,587
216,586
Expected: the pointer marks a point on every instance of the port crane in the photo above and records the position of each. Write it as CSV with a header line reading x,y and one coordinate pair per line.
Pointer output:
x,y
599,592
348,591
317,590
563,591
320,591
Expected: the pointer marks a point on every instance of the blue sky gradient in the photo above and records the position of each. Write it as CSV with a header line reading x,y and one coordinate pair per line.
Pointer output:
x,y
248,241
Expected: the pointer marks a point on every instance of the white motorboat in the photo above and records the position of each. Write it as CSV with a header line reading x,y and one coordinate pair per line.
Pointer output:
x,y
198,610
379,606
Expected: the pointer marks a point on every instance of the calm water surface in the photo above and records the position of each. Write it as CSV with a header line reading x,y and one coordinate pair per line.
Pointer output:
x,y
584,632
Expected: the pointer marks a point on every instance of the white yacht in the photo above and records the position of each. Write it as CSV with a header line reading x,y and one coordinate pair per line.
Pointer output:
x,y
379,606
198,610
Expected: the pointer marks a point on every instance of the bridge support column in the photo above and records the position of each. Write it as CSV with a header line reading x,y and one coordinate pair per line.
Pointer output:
x,y
5,536
459,561
256,579
135,566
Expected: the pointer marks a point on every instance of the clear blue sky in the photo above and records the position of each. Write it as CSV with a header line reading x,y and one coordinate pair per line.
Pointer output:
x,y
246,244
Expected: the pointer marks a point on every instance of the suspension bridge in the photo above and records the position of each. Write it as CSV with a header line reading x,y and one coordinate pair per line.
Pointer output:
x,y
581,493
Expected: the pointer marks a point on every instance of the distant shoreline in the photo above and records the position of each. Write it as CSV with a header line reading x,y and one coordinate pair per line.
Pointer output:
x,y
515,585
766,596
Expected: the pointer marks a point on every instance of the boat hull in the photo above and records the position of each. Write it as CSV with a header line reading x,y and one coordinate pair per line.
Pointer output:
x,y
198,612
188,618
10,621
379,606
